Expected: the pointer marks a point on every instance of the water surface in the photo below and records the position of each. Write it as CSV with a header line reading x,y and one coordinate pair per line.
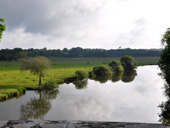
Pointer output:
x,y
122,98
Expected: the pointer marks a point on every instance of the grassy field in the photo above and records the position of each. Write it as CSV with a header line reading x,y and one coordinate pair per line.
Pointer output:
x,y
12,79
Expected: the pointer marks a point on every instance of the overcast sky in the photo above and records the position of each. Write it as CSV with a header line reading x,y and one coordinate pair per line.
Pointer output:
x,y
107,24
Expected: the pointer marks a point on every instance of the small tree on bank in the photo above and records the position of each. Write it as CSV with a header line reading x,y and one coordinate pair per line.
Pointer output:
x,y
128,62
101,71
36,66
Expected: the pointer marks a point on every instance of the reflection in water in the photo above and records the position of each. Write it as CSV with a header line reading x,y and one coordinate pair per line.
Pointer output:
x,y
136,102
102,79
165,112
80,84
116,77
129,76
37,108
165,106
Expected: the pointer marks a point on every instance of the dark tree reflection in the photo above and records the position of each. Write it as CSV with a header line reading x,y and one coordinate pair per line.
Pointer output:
x,y
103,79
165,106
129,76
80,84
116,77
38,107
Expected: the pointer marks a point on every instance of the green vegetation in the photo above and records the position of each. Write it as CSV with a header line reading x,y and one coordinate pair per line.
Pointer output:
x,y
116,66
11,78
50,85
36,66
17,53
101,70
80,75
128,62
164,64
2,27
8,93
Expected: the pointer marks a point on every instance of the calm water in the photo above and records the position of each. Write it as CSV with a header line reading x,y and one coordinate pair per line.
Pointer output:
x,y
134,100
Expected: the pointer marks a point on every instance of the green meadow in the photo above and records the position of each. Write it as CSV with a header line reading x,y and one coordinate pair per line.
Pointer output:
x,y
12,79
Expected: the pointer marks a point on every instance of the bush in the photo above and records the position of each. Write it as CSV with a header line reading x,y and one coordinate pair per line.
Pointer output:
x,y
80,84
80,75
128,62
101,71
116,66
50,85
90,74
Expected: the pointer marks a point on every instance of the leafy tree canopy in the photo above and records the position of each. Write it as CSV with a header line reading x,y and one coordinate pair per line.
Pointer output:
x,y
2,27
116,66
36,66
164,64
128,62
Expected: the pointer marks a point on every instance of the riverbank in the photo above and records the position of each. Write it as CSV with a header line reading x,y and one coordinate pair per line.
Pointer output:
x,y
12,79
77,124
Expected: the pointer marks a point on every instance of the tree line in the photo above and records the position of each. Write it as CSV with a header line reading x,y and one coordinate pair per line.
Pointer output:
x,y
16,53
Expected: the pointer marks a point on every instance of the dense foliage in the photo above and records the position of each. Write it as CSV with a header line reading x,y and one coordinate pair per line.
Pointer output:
x,y
101,71
164,62
16,53
128,62
164,65
80,75
2,27
116,66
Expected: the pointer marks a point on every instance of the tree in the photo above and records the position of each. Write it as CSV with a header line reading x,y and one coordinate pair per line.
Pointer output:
x,y
36,65
128,62
116,66
164,64
2,27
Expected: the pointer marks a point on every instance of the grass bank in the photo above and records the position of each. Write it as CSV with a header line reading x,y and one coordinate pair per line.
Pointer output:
x,y
12,80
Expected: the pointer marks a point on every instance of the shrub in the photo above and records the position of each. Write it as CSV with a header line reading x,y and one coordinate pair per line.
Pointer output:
x,y
50,85
70,79
80,84
101,71
116,66
80,75
128,62
90,74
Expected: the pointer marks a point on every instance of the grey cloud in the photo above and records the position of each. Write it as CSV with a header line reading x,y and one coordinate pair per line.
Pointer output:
x,y
140,21
135,35
52,17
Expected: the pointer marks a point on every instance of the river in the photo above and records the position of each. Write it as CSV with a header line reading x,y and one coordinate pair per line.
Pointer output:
x,y
131,98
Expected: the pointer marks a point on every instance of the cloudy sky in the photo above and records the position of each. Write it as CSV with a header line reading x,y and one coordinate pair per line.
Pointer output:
x,y
107,24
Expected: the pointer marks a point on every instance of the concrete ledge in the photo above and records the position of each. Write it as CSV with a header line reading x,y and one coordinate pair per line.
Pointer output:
x,y
76,124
